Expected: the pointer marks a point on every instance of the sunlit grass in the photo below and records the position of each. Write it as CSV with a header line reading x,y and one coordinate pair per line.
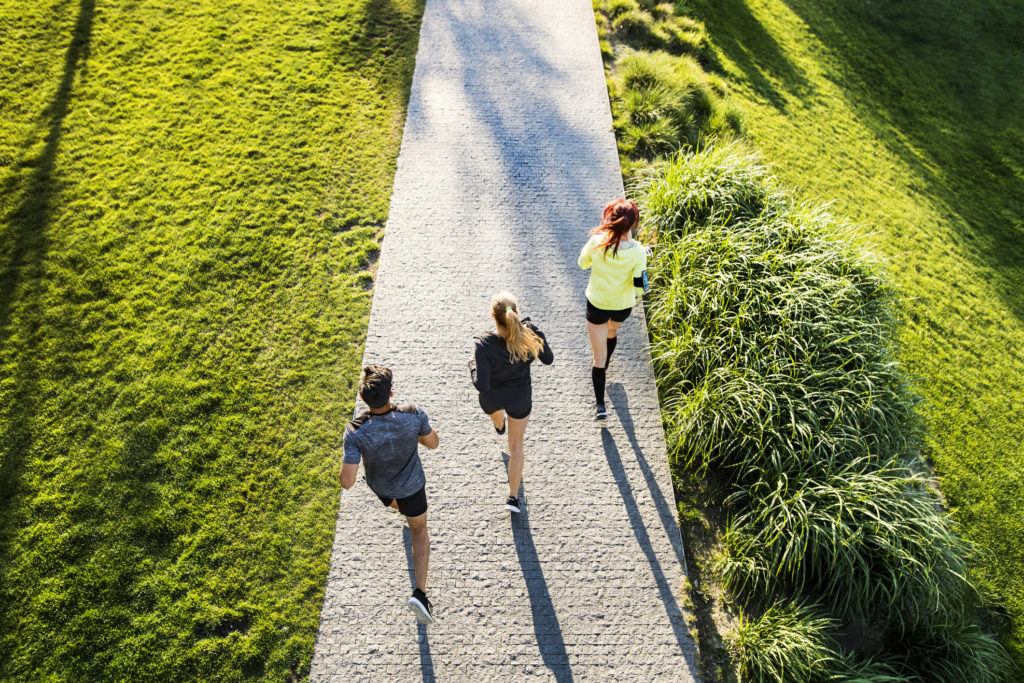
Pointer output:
x,y
773,338
191,200
903,116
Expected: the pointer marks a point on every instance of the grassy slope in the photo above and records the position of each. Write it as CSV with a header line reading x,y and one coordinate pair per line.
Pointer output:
x,y
192,195
909,116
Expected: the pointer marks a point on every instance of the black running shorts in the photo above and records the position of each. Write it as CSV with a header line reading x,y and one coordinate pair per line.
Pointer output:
x,y
518,410
411,506
599,316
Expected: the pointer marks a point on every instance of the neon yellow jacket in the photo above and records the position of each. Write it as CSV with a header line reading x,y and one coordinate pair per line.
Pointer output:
x,y
611,276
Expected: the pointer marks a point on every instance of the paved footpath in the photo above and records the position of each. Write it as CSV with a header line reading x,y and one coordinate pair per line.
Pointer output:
x,y
507,160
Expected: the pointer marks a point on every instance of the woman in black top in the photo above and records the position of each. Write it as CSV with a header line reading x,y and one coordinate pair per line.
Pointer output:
x,y
502,376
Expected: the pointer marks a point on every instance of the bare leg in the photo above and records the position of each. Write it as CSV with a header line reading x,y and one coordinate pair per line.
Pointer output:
x,y
497,418
613,329
598,335
420,548
516,431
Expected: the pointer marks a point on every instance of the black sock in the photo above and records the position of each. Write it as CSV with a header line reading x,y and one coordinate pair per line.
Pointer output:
x,y
419,594
612,341
597,374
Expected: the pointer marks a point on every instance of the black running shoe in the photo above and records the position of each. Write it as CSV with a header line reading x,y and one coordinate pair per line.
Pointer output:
x,y
601,413
504,424
512,504
421,607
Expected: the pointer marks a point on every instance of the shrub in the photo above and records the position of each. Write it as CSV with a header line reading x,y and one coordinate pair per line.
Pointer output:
x,y
649,88
774,353
958,651
789,642
616,8
633,24
649,104
863,542
721,186
771,342
646,70
650,138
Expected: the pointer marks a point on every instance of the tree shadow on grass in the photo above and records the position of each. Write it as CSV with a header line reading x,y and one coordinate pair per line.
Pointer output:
x,y
933,82
25,246
739,34
945,102
387,33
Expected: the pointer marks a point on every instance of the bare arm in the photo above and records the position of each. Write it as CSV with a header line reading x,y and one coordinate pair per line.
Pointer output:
x,y
348,473
430,440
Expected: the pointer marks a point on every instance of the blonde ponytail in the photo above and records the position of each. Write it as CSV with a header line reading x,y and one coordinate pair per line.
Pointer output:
x,y
523,343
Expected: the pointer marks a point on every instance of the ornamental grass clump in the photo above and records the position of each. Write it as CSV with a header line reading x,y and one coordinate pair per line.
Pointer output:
x,y
671,96
771,337
774,352
867,541
788,642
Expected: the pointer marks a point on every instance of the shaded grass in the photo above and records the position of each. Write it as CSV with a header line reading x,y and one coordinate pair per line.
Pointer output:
x,y
907,116
192,197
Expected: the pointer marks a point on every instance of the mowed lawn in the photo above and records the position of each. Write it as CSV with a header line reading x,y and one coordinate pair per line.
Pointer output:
x,y
191,201
910,116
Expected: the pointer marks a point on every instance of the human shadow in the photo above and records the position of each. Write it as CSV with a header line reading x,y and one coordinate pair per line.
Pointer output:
x,y
620,402
636,523
426,661
545,622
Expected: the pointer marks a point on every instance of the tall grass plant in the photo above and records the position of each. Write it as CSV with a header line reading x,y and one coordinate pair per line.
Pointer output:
x,y
773,344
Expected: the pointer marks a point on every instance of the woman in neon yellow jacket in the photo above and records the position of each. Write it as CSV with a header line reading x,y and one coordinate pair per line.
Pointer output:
x,y
618,274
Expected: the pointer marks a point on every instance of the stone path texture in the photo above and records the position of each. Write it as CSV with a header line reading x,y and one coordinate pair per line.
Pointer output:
x,y
507,159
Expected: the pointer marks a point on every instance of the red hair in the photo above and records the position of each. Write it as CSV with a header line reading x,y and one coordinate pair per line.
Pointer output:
x,y
619,217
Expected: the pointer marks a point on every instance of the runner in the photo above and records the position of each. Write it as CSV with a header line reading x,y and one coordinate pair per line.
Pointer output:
x,y
386,437
618,272
502,376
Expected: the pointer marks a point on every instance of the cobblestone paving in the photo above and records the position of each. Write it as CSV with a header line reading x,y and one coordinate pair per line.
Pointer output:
x,y
506,161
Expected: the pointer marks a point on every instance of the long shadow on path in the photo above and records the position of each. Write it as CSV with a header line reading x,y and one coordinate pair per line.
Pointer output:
x,y
636,522
620,401
426,661
545,621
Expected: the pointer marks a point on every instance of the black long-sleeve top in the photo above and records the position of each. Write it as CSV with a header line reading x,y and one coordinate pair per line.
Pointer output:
x,y
497,375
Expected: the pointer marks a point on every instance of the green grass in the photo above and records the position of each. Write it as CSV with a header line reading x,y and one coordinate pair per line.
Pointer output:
x,y
773,344
191,206
662,98
908,116
789,643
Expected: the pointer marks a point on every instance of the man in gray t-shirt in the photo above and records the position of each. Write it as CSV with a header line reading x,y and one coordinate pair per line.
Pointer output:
x,y
386,439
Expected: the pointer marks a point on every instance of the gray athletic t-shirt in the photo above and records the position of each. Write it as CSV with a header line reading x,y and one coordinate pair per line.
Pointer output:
x,y
389,447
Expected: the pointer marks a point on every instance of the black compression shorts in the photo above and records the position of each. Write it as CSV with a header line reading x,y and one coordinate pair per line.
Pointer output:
x,y
518,409
599,316
410,506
